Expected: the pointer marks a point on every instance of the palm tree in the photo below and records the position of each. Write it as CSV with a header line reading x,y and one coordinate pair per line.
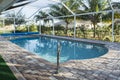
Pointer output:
x,y
108,18
93,6
60,10
41,15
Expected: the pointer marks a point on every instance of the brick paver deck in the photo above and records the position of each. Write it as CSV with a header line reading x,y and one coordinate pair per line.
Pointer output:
x,y
27,66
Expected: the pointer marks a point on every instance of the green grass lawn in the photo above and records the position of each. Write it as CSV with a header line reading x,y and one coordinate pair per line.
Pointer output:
x,y
5,72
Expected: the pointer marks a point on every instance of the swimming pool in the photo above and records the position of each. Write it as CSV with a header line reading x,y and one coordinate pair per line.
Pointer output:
x,y
46,48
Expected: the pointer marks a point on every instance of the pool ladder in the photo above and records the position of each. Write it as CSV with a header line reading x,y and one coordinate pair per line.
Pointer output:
x,y
58,57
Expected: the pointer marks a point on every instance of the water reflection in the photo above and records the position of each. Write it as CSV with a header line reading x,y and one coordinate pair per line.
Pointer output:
x,y
47,48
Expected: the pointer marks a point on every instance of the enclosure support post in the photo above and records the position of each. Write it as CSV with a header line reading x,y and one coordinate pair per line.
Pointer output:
x,y
74,26
4,23
40,27
53,27
58,57
14,22
14,25
113,37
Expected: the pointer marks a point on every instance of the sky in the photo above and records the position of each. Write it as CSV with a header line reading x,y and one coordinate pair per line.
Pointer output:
x,y
38,5
115,0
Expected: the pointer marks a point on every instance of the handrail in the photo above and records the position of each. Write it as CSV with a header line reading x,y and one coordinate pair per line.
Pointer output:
x,y
58,56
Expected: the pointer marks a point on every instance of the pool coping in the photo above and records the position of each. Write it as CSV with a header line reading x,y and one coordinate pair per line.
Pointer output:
x,y
75,39
107,44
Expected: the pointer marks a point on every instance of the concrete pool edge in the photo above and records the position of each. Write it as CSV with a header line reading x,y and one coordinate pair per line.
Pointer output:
x,y
112,52
76,39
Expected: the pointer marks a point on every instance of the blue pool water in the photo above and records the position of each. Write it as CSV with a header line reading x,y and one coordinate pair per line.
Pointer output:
x,y
46,48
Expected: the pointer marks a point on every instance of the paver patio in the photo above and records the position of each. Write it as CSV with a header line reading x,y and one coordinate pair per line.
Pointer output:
x,y
27,66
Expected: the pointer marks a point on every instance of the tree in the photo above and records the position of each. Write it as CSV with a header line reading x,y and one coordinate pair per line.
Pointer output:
x,y
107,17
19,19
93,6
41,15
60,10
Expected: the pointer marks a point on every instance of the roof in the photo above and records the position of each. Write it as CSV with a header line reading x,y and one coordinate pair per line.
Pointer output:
x,y
4,4
10,4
